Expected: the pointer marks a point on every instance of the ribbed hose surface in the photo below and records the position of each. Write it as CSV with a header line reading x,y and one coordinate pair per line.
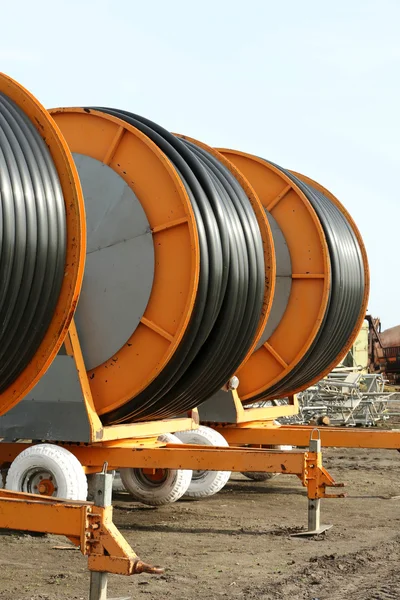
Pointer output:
x,y
32,243
346,294
231,287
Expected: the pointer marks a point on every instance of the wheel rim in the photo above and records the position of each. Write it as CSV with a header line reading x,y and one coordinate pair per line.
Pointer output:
x,y
39,481
152,477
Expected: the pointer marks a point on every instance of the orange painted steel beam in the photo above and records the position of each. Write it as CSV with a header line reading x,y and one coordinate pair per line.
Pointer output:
x,y
28,512
87,526
299,435
246,415
176,457
75,247
306,465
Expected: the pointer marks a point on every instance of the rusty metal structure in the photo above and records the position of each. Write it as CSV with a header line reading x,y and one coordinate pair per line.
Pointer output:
x,y
141,446
384,350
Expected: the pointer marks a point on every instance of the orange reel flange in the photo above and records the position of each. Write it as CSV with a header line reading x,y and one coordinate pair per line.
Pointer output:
x,y
75,241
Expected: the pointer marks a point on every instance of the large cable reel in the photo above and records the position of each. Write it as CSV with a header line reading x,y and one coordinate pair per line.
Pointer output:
x,y
203,264
42,241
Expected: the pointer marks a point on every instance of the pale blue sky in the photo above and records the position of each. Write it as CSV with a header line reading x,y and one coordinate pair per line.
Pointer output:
x,y
313,86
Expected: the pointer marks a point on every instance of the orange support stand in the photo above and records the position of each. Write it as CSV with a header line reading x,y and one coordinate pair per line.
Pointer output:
x,y
135,445
90,528
143,433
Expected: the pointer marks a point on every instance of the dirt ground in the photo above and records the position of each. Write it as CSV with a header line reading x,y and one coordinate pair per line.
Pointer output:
x,y
238,545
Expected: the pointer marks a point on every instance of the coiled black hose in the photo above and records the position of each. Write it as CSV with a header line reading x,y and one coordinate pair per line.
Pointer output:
x,y
231,287
345,298
32,243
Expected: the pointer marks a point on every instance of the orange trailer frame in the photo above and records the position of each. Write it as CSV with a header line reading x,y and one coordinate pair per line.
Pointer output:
x,y
87,526
306,464
258,427
136,445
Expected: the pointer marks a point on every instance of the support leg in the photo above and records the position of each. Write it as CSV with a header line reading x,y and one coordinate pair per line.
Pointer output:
x,y
98,585
314,504
314,515
102,492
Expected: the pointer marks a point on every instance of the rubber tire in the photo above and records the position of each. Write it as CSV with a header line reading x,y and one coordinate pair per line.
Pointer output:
x,y
64,466
118,486
170,490
261,475
207,483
